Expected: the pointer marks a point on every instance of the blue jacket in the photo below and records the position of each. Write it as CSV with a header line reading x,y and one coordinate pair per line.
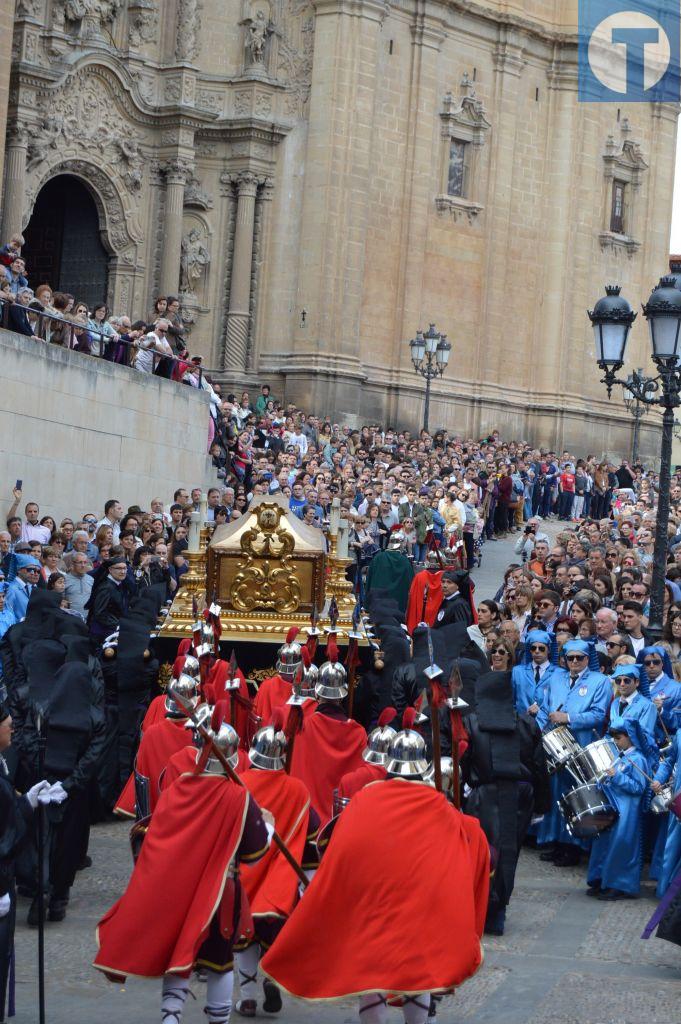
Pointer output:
x,y
16,598
525,690
586,704
616,857
672,699
639,707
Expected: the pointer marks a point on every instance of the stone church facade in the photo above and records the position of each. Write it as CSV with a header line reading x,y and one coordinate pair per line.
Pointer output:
x,y
318,179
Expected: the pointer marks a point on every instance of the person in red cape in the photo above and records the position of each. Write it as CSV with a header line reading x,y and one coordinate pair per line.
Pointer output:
x,y
183,904
185,760
375,756
329,744
156,711
358,920
228,683
159,743
270,884
276,690
426,584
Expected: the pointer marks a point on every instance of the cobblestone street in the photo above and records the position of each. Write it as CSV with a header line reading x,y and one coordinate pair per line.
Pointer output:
x,y
565,959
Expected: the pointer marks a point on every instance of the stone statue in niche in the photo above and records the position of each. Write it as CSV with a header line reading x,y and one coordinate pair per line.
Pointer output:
x,y
194,260
259,28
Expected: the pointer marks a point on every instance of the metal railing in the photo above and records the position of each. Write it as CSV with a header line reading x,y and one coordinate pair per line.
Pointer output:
x,y
75,336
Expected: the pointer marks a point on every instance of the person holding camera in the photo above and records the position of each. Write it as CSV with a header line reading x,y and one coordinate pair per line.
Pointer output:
x,y
528,538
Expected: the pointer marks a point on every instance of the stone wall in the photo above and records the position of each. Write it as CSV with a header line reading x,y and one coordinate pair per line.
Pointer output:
x,y
78,430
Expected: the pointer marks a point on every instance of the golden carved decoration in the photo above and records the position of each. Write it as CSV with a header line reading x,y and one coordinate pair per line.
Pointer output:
x,y
261,585
165,674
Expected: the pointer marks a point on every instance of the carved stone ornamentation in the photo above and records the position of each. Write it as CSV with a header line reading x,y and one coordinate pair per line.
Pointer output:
x,y
29,8
295,45
194,260
142,21
196,196
176,171
83,113
88,16
188,28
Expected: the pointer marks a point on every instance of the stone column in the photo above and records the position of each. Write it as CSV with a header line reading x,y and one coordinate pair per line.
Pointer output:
x,y
261,247
176,178
15,180
238,314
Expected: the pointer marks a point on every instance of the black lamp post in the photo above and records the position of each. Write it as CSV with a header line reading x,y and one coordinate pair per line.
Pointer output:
x,y
637,409
612,318
430,355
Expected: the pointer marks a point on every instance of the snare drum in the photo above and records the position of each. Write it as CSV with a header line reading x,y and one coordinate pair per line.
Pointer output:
x,y
591,763
587,811
559,746
661,801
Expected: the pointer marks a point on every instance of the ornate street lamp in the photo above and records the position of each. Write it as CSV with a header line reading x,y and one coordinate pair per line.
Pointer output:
x,y
430,356
612,318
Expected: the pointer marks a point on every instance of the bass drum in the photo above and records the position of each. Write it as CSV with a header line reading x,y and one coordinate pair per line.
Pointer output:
x,y
587,811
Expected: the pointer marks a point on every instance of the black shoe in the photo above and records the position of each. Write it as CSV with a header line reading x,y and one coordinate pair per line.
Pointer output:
x,y
56,911
272,1002
86,862
594,890
32,917
246,1007
494,929
567,859
610,895
548,856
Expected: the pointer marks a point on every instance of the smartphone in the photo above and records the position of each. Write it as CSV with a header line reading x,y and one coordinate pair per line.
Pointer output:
x,y
18,485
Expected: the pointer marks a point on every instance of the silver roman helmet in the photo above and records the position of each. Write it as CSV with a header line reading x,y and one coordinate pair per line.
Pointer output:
x,y
191,666
188,689
290,657
407,754
380,738
447,771
269,745
225,738
202,716
333,680
310,675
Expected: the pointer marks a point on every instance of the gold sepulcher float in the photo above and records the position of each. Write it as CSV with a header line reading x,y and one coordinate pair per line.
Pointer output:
x,y
266,570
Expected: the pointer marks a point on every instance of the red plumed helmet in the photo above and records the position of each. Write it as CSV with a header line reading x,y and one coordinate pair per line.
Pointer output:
x,y
332,649
292,634
386,716
408,718
277,720
178,665
307,660
184,647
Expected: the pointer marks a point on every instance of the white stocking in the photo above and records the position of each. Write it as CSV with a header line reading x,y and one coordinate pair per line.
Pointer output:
x,y
416,1008
219,996
173,997
247,964
372,1009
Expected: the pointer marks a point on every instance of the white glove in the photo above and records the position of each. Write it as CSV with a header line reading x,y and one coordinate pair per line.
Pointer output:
x,y
35,791
54,794
4,905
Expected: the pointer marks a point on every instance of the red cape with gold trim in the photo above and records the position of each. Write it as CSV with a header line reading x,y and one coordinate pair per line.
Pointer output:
x,y
270,883
179,881
158,745
272,692
432,580
392,908
325,750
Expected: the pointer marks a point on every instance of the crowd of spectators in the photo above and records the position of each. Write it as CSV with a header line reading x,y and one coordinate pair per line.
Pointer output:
x,y
156,344
415,492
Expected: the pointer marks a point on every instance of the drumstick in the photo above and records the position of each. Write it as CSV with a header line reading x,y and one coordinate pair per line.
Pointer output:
x,y
664,727
645,776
